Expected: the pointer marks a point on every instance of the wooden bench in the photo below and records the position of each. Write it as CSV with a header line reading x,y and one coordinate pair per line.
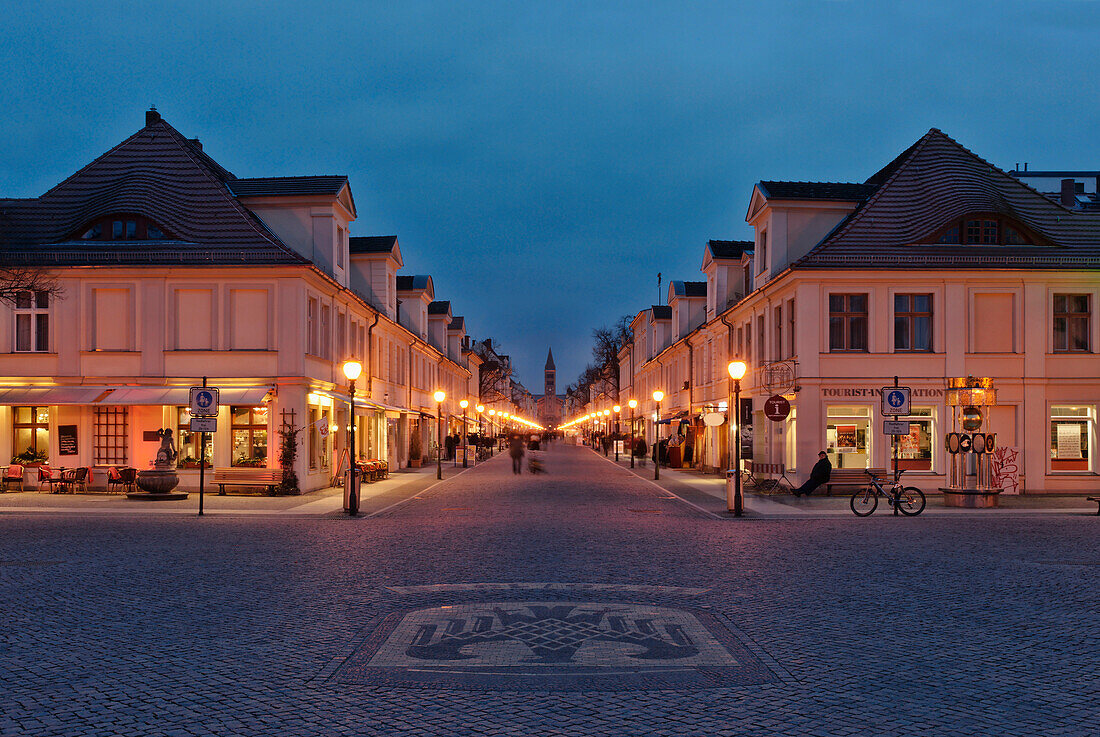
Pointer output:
x,y
856,477
265,478
1097,500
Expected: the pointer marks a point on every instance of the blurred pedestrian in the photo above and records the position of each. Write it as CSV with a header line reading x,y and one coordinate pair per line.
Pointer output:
x,y
515,449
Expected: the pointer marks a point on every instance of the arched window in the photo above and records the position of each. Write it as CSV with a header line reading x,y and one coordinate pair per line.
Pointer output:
x,y
987,229
122,228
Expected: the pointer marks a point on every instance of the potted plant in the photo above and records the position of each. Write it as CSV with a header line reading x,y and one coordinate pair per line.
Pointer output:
x,y
415,453
30,458
190,462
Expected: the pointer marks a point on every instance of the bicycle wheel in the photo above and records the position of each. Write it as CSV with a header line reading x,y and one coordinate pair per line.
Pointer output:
x,y
911,501
864,502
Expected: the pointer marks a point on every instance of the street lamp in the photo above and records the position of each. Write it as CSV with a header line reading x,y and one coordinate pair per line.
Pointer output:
x,y
633,404
352,369
464,404
480,434
439,396
658,395
617,409
737,372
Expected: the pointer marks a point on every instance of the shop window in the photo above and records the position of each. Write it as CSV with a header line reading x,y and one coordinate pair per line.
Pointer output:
x,y
1071,323
913,322
249,427
847,322
30,435
1071,430
848,436
915,449
32,321
187,442
318,437
110,440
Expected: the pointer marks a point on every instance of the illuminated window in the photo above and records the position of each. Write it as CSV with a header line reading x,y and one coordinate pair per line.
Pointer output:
x,y
1071,431
30,435
249,426
187,442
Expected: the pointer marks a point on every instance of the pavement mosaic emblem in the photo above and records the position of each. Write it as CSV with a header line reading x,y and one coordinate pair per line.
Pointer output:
x,y
571,641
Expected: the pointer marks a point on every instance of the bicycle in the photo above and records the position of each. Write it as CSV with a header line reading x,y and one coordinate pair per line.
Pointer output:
x,y
908,500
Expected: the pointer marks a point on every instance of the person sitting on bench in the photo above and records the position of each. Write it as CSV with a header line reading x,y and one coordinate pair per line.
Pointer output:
x,y
818,476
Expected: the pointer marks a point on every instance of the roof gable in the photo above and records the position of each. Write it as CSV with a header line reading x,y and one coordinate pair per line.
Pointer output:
x,y
156,173
935,181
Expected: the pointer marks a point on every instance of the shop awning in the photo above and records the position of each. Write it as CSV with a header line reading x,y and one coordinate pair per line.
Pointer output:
x,y
123,395
180,395
47,395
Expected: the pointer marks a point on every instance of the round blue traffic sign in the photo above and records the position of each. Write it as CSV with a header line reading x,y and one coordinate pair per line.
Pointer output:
x,y
204,399
895,398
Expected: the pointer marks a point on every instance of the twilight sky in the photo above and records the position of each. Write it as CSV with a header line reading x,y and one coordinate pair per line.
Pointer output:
x,y
544,160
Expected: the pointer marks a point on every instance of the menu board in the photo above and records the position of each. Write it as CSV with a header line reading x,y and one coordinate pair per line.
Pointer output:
x,y
66,440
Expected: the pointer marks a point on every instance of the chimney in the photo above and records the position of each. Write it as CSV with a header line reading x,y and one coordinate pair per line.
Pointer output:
x,y
196,143
1069,196
151,116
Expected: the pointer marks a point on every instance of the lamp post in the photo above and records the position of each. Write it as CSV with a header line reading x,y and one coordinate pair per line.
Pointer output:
x,y
465,440
480,435
658,395
493,438
737,372
616,409
606,429
352,369
633,403
439,397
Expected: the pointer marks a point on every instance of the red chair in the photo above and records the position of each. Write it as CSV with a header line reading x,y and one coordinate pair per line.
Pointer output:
x,y
13,475
114,479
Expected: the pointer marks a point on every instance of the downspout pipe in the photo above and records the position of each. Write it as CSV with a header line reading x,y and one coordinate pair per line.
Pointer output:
x,y
370,357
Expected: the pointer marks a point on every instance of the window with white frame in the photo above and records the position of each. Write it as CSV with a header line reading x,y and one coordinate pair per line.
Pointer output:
x,y
32,321
340,247
110,438
1071,437
326,332
311,326
790,328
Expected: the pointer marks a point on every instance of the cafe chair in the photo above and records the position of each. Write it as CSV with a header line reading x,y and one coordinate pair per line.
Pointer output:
x,y
46,478
13,475
81,481
114,479
129,478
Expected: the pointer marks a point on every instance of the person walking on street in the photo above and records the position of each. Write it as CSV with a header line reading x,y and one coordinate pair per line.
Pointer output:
x,y
515,449
818,475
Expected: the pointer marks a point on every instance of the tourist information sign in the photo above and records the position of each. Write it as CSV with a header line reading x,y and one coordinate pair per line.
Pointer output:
x,y
204,401
895,400
777,408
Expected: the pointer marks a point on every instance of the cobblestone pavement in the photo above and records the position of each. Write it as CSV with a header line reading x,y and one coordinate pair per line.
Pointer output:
x,y
552,588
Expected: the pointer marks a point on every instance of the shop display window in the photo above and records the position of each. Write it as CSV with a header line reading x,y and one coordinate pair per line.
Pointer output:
x,y
187,442
915,449
249,426
848,436
30,435
318,437
1071,431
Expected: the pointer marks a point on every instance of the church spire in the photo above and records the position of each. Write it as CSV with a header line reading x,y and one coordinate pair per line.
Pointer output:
x,y
550,360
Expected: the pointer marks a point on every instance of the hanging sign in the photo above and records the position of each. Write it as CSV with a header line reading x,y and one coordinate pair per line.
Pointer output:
x,y
714,419
204,424
776,408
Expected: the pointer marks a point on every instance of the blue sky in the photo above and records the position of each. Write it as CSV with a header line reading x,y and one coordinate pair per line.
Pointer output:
x,y
544,160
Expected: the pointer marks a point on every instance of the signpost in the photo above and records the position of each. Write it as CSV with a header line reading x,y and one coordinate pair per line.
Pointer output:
x,y
204,419
895,403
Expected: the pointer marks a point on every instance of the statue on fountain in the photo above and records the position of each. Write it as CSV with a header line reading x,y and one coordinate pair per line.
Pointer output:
x,y
159,482
166,454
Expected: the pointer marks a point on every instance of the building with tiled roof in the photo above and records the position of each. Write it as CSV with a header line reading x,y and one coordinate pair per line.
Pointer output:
x,y
171,269
939,266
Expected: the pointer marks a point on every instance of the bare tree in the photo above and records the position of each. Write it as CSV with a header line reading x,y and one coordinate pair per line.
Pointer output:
x,y
16,280
495,373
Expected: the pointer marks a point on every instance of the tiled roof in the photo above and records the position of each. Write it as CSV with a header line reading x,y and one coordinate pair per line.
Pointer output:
x,y
439,307
689,288
457,323
729,249
156,173
372,243
662,312
410,283
283,186
936,181
845,191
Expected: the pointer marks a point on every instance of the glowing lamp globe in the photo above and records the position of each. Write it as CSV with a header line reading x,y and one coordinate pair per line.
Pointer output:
x,y
658,395
737,369
439,397
352,370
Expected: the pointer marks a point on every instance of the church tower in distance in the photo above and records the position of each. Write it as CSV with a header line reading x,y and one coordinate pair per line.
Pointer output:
x,y
551,379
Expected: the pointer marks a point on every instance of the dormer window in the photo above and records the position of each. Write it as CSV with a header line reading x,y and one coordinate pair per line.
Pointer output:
x,y
986,230
122,228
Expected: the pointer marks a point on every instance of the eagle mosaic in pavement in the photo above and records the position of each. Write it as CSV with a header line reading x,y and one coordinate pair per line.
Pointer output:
x,y
553,633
